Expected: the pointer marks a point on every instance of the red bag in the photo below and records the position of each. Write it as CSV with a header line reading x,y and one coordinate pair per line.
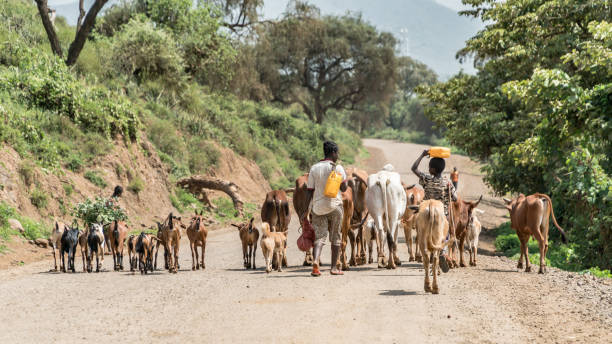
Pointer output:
x,y
306,241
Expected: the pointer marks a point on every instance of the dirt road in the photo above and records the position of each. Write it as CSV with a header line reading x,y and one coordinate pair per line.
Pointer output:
x,y
490,303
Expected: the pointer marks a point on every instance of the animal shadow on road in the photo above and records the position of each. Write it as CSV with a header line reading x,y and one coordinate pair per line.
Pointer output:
x,y
398,293
499,270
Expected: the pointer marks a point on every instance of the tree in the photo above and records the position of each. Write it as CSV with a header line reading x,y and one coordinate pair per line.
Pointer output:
x,y
85,24
326,62
538,111
239,14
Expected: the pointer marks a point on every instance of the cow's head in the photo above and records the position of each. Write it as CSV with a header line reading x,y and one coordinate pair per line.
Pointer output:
x,y
511,203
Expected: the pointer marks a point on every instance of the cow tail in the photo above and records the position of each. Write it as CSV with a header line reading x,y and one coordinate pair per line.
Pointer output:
x,y
384,191
432,218
552,212
277,206
116,233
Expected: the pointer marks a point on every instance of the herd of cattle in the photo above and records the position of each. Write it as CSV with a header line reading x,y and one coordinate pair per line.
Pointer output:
x,y
375,206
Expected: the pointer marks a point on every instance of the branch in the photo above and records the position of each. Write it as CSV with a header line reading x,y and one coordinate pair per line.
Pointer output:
x,y
81,15
43,10
196,184
84,30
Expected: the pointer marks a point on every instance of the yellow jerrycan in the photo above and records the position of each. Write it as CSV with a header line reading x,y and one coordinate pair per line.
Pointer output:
x,y
333,183
439,152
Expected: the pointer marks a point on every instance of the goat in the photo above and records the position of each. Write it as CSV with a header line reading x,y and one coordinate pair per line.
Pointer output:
x,y
197,232
95,241
117,233
56,238
144,247
69,241
131,246
83,245
249,237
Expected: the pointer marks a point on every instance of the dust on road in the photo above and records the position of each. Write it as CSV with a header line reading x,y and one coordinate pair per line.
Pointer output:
x,y
491,303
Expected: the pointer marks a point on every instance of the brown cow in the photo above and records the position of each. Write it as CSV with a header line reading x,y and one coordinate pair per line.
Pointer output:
x,y
357,182
414,196
275,211
461,217
432,229
117,233
197,232
248,236
530,216
301,206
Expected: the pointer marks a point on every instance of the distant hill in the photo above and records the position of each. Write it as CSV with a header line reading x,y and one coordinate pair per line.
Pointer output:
x,y
428,31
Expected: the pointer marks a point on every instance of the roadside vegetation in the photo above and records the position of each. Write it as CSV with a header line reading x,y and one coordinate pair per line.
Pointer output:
x,y
538,113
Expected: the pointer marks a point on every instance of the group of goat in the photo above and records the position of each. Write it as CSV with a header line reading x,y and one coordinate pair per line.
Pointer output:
x,y
142,248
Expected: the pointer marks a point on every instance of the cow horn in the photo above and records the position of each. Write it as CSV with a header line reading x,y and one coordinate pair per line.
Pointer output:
x,y
235,225
478,202
507,200
410,186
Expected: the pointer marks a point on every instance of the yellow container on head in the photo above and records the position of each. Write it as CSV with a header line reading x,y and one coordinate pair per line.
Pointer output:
x,y
439,152
333,184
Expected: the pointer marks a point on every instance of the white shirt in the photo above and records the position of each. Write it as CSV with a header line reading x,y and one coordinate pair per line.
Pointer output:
x,y
317,178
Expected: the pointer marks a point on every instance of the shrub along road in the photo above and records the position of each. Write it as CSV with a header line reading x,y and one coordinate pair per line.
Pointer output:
x,y
225,303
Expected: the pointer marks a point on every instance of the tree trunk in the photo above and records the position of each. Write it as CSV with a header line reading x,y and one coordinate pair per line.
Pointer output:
x,y
81,15
196,184
81,36
43,9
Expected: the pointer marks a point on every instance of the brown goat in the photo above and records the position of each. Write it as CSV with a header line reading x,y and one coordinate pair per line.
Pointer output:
x,y
275,211
56,238
197,232
131,247
171,236
83,245
144,245
160,241
117,233
249,237
273,247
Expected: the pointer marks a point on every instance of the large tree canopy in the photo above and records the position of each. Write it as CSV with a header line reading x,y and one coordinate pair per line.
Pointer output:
x,y
538,111
326,62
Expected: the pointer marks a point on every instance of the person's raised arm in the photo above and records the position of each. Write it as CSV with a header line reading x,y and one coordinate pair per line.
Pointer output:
x,y
415,166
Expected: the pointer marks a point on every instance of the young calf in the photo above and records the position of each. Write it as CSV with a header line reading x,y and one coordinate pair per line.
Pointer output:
x,y
95,241
144,247
196,232
472,236
56,238
131,246
117,233
249,237
273,246
69,241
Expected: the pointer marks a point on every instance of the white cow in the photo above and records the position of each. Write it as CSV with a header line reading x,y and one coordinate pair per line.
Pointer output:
x,y
386,202
472,236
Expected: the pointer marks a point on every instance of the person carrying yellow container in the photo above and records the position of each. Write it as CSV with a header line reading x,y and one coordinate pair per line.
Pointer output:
x,y
436,186
326,181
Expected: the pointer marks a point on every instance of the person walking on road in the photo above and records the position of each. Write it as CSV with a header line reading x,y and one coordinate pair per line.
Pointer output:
x,y
326,211
438,188
454,176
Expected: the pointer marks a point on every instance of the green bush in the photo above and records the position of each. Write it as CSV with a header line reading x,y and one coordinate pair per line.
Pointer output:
x,y
98,210
38,198
136,185
68,189
75,164
34,230
202,155
95,179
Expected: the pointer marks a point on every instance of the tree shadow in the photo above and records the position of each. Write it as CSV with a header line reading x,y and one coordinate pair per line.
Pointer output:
x,y
397,293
